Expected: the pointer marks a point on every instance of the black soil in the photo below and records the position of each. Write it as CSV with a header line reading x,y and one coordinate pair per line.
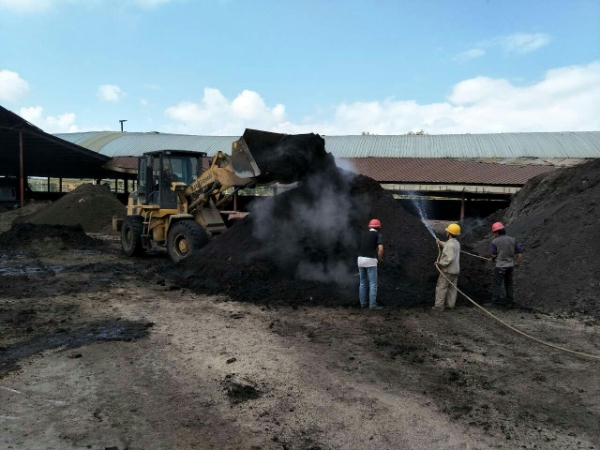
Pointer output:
x,y
556,217
301,247
91,207
24,235
106,331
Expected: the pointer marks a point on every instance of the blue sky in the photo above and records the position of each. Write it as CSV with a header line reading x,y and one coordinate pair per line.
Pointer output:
x,y
335,67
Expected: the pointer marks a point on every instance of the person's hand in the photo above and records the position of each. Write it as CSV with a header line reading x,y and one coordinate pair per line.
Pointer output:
x,y
436,263
437,240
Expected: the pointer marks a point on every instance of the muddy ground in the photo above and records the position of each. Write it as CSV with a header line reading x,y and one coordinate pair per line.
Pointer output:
x,y
98,351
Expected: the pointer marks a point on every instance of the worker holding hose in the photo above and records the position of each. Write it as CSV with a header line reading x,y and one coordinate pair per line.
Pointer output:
x,y
449,264
505,250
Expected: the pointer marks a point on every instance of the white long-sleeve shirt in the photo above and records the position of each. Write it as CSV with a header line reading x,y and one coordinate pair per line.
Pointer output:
x,y
450,258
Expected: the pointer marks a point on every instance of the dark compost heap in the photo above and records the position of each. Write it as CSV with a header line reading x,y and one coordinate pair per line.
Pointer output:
x,y
556,217
24,235
92,207
301,246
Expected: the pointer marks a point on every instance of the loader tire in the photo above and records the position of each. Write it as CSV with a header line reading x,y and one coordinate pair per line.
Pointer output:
x,y
131,236
185,239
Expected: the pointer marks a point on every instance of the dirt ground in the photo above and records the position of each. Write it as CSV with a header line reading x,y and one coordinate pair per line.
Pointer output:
x,y
100,352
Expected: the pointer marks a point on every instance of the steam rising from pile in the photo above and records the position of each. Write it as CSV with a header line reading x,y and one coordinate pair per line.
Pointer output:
x,y
310,231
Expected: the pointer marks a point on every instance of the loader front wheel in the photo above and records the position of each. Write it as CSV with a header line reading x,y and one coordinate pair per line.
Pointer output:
x,y
185,239
131,235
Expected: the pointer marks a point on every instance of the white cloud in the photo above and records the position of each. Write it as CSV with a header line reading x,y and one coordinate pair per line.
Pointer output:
x,y
153,87
217,115
143,102
25,6
64,123
110,93
12,86
524,43
567,98
469,54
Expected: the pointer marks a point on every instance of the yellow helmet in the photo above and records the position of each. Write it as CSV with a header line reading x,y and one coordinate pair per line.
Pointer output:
x,y
453,229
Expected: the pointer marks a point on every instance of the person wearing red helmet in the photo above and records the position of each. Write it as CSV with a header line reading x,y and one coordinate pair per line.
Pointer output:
x,y
370,254
505,250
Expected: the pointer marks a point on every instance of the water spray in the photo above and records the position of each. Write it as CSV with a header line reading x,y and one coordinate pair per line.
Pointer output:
x,y
418,207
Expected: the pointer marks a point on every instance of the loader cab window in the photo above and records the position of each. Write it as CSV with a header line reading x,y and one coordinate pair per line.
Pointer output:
x,y
175,169
141,188
183,169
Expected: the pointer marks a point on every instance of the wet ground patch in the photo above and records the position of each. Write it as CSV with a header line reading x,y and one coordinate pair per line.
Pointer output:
x,y
104,331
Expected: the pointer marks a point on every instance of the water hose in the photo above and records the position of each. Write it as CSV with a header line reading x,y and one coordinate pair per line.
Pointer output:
x,y
522,333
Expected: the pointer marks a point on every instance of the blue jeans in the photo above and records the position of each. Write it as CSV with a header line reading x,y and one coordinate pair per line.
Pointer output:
x,y
368,275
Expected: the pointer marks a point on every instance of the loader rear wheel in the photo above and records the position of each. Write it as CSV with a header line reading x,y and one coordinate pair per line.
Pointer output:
x,y
131,236
185,239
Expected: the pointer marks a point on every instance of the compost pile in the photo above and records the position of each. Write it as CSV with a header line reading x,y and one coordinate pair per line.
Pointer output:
x,y
301,246
26,235
92,207
556,217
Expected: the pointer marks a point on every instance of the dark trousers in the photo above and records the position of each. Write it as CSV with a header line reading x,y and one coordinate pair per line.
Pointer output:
x,y
503,276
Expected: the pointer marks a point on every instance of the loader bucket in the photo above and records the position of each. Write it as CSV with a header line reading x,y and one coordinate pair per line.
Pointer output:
x,y
251,149
270,157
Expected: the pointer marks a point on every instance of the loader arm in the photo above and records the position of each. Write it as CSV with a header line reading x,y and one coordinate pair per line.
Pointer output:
x,y
213,182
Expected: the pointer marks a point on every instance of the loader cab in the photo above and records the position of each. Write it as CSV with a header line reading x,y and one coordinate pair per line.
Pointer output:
x,y
157,170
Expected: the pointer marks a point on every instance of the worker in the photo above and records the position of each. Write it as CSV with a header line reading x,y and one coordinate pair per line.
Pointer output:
x,y
369,256
449,265
168,175
504,251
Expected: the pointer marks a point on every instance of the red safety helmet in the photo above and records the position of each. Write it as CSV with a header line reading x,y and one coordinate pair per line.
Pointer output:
x,y
374,223
497,227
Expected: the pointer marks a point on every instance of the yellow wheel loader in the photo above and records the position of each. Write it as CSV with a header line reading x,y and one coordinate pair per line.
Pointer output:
x,y
178,207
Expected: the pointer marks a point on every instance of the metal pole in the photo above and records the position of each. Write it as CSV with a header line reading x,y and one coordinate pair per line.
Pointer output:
x,y
22,182
60,185
235,196
48,184
462,208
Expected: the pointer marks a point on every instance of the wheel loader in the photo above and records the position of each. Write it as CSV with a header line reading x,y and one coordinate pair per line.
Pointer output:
x,y
178,207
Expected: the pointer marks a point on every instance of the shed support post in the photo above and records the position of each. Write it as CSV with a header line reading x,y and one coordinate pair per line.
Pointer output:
x,y
60,185
21,180
126,186
462,207
48,184
235,196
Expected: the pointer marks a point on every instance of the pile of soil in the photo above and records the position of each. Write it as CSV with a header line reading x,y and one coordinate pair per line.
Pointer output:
x,y
301,247
27,235
556,217
8,217
91,207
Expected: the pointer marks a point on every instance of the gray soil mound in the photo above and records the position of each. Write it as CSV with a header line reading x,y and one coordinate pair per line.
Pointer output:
x,y
92,207
557,219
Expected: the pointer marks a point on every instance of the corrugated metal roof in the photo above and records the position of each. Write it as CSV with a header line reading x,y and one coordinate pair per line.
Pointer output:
x,y
444,170
414,170
584,144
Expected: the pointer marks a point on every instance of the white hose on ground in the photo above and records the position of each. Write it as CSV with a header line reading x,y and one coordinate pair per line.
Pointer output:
x,y
539,341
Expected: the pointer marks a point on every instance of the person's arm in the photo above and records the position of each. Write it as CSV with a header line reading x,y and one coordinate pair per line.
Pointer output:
x,y
519,251
440,243
494,251
380,252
